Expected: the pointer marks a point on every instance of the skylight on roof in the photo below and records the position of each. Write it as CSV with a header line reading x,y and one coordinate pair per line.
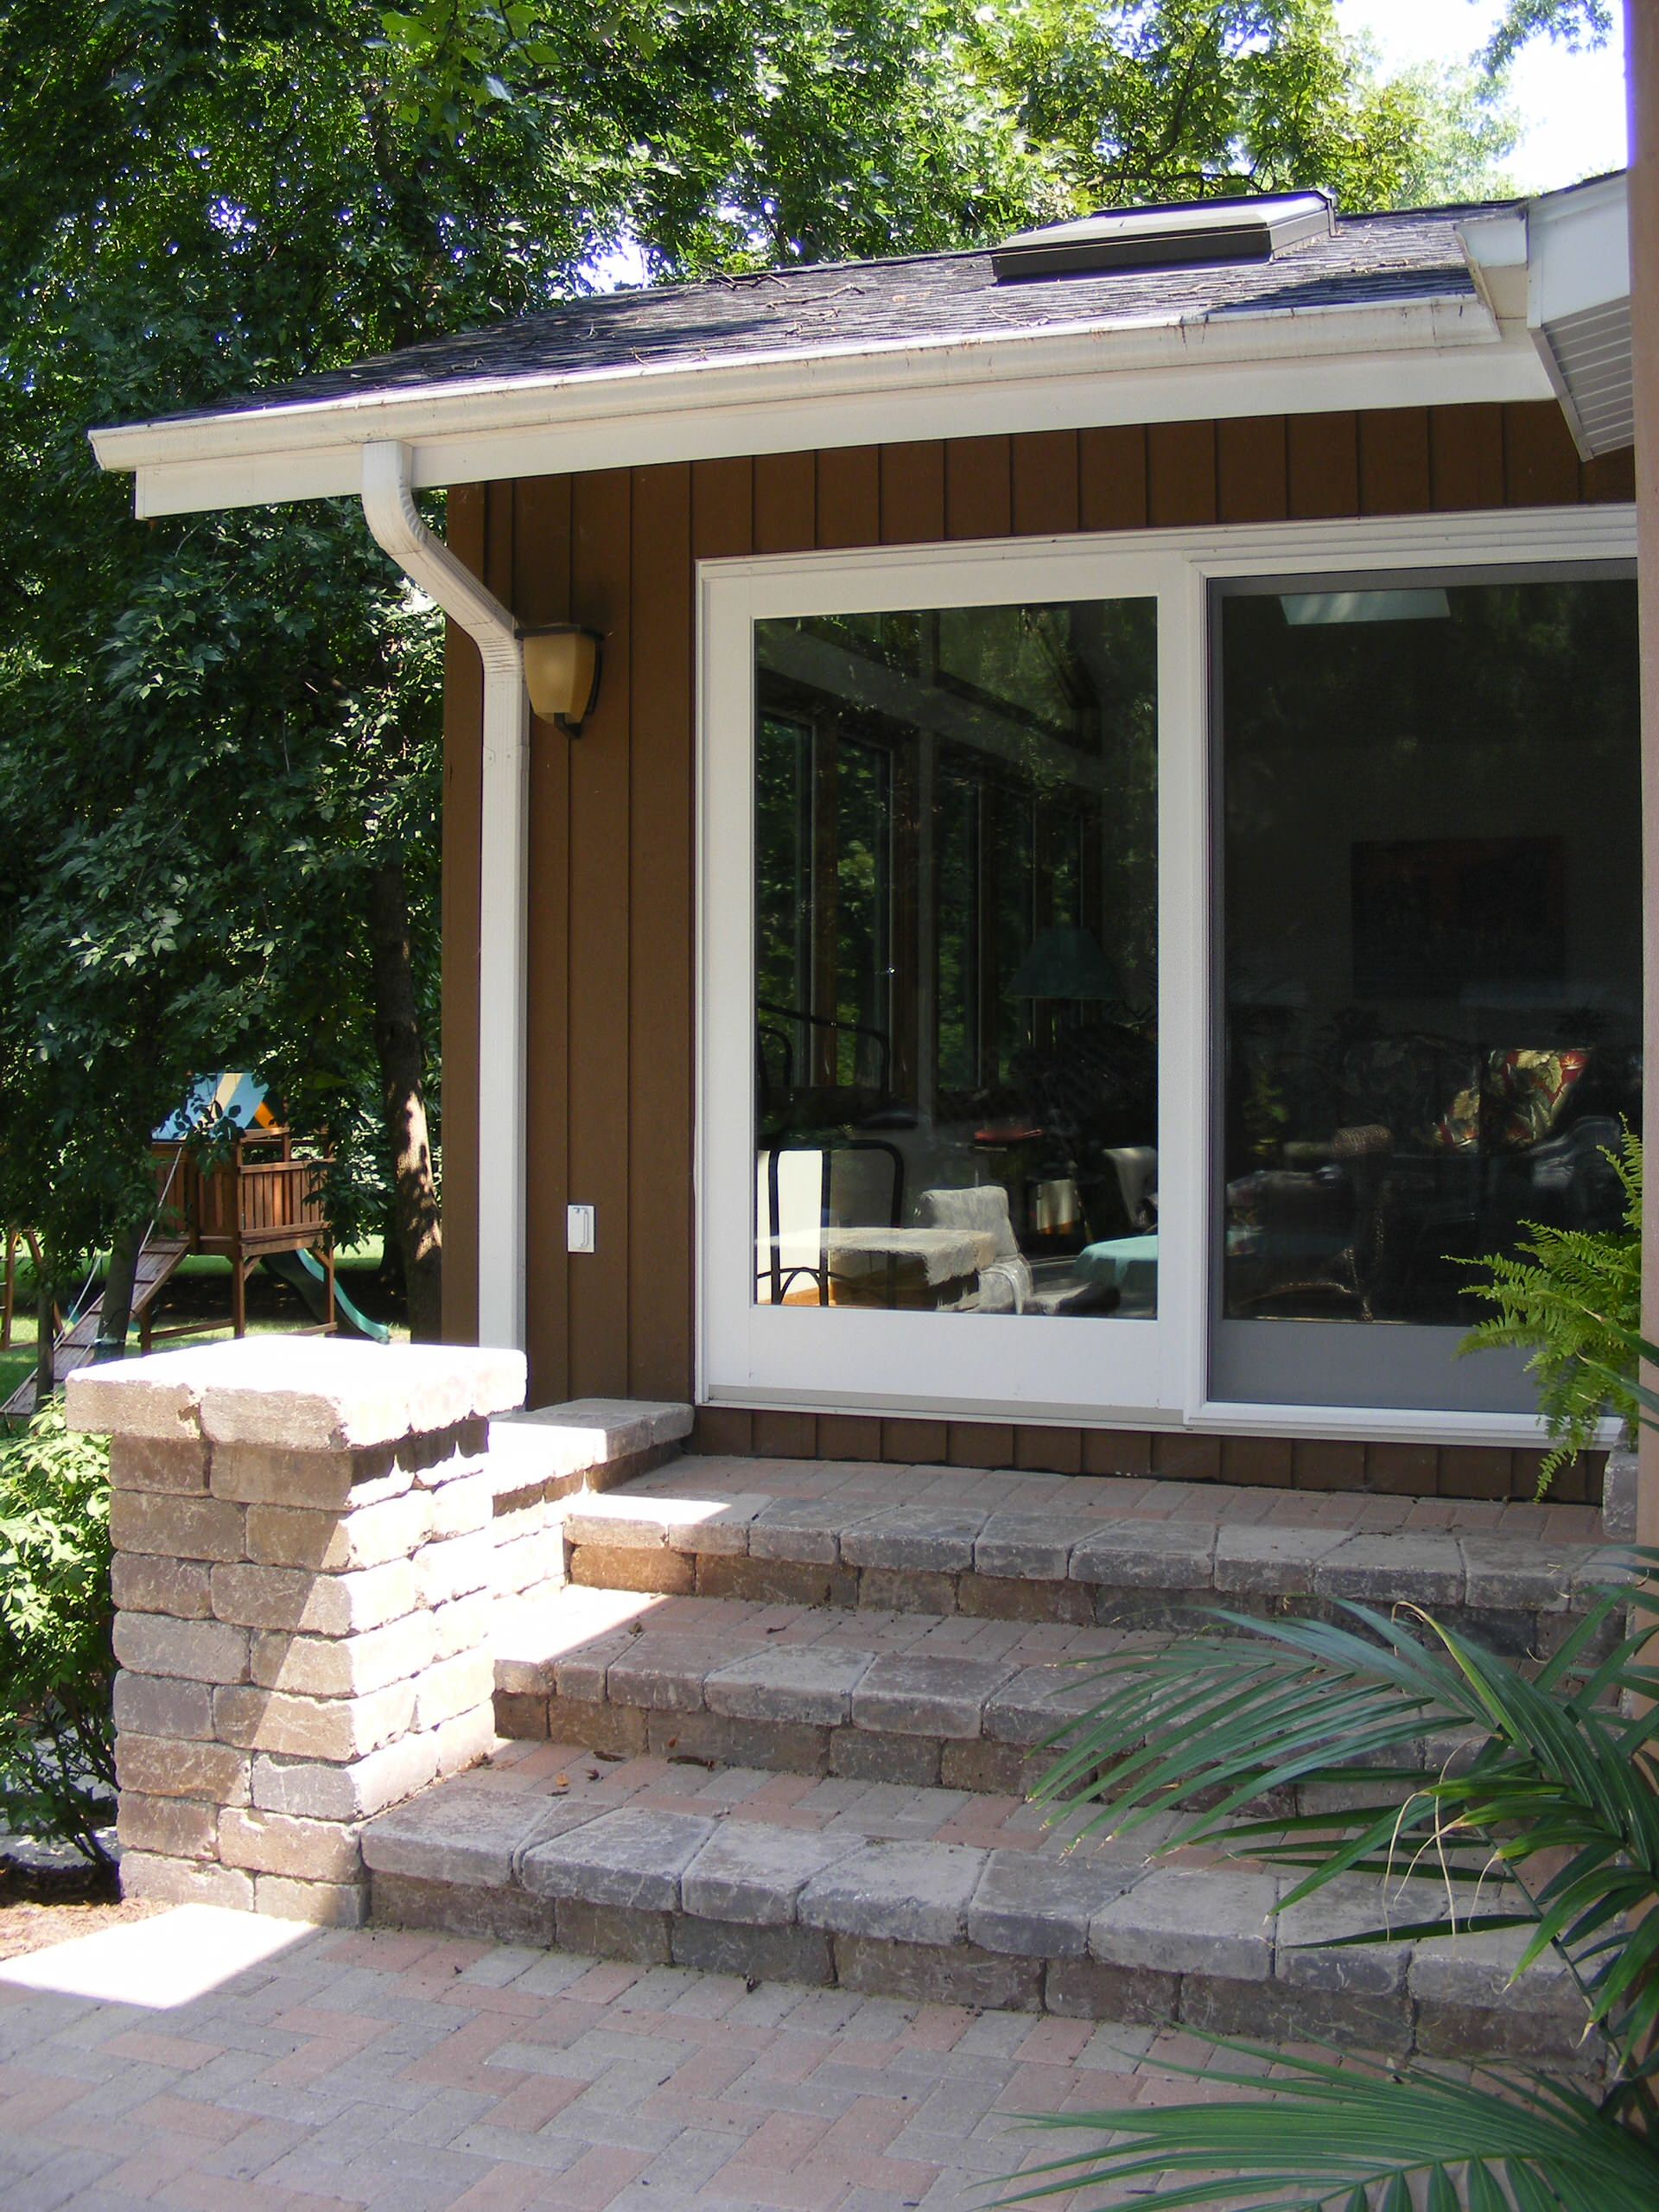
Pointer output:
x,y
1194,230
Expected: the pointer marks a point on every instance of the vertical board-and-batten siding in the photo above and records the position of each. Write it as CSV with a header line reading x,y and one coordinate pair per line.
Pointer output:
x,y
611,834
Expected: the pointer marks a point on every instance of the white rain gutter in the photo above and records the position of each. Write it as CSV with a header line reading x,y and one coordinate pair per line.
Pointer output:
x,y
424,558
1557,270
1285,359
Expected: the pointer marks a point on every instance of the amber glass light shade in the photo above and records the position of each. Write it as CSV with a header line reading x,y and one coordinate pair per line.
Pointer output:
x,y
562,673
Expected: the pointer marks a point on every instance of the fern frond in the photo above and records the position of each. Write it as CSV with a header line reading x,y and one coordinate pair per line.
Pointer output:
x,y
1571,1298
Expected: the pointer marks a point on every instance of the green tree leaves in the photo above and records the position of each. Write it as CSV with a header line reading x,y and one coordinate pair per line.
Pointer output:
x,y
57,1739
1199,98
210,728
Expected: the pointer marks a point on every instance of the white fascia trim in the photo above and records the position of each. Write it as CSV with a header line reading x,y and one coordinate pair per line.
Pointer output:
x,y
389,510
1497,247
1578,250
1579,259
1284,360
1553,256
1542,269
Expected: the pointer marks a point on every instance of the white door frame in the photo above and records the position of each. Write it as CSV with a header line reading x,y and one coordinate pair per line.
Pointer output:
x,y
991,1366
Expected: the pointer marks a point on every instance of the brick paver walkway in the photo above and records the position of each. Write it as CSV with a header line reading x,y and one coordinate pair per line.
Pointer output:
x,y
432,2075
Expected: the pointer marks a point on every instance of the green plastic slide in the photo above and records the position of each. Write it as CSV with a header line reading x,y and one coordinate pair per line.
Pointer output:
x,y
303,1272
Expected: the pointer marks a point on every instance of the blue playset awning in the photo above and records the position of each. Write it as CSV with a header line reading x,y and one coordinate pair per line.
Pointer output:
x,y
212,1099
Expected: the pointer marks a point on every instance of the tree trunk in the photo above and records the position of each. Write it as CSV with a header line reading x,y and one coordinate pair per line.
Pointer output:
x,y
398,1046
115,1314
45,1329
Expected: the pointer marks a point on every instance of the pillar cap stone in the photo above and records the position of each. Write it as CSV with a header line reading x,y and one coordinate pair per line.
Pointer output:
x,y
296,1394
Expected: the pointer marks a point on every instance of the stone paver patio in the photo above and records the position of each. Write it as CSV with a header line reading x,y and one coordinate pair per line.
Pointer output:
x,y
348,2070
850,1484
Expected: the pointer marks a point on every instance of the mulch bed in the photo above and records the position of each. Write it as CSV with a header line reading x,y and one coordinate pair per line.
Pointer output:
x,y
40,1907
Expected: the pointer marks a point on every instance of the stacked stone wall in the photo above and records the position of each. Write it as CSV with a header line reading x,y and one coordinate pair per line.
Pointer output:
x,y
305,1576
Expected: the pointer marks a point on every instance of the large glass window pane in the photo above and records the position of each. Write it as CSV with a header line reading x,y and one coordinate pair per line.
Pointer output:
x,y
954,896
1432,975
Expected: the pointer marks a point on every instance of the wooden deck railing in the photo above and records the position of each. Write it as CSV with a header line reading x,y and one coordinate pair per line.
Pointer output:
x,y
244,1198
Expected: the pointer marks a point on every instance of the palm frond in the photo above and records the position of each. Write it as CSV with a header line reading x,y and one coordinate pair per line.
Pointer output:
x,y
1355,2137
1553,1795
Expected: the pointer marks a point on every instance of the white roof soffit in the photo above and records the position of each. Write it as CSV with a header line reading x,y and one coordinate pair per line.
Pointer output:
x,y
1276,361
1560,268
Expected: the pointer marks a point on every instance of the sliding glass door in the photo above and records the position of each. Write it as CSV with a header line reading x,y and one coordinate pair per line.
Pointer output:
x,y
953,948
1431,1004
1138,978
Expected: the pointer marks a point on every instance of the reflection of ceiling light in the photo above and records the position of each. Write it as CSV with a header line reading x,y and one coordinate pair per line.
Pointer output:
x,y
1307,608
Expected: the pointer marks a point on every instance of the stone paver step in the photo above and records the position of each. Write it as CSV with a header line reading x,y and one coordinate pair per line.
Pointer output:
x,y
1077,1550
934,1895
907,1698
584,1443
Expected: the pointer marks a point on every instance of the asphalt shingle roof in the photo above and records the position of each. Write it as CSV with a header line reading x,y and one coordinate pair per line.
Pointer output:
x,y
1368,259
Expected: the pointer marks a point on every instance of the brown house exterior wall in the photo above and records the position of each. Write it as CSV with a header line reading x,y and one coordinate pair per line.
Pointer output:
x,y
611,856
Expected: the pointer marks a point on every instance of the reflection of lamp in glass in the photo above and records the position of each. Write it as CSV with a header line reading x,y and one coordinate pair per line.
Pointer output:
x,y
1064,963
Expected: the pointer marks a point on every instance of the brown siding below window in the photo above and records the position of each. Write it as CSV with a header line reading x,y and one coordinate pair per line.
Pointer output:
x,y
1450,1470
611,1107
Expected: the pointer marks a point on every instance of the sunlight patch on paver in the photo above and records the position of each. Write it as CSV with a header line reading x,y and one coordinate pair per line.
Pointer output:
x,y
171,1960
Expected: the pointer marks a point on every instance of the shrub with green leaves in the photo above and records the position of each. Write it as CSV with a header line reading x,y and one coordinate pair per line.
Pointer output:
x,y
1572,1299
57,1664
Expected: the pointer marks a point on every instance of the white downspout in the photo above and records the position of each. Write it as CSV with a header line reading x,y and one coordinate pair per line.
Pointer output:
x,y
503,882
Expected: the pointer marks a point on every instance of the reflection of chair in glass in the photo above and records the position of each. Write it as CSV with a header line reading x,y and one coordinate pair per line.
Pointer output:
x,y
1092,1090
1442,1152
830,1185
1120,1273
1004,1278
1136,1168
1315,1228
789,1098
1573,1183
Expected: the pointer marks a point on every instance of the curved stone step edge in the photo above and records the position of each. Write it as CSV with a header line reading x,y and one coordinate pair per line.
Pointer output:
x,y
953,1924
980,1555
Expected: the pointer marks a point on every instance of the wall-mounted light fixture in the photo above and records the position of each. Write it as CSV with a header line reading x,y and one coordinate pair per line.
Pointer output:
x,y
562,672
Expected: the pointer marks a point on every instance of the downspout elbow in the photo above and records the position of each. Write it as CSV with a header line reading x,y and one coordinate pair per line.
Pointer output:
x,y
389,510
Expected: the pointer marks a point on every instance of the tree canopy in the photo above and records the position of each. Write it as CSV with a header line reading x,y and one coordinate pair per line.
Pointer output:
x,y
213,730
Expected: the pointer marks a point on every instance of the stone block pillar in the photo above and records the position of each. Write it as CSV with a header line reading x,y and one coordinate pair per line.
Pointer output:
x,y
304,1581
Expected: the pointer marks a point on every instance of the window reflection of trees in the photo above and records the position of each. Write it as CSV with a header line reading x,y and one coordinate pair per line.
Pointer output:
x,y
933,788
940,795
1433,905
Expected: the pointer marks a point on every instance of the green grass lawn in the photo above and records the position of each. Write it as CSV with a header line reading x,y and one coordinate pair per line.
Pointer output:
x,y
199,1293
